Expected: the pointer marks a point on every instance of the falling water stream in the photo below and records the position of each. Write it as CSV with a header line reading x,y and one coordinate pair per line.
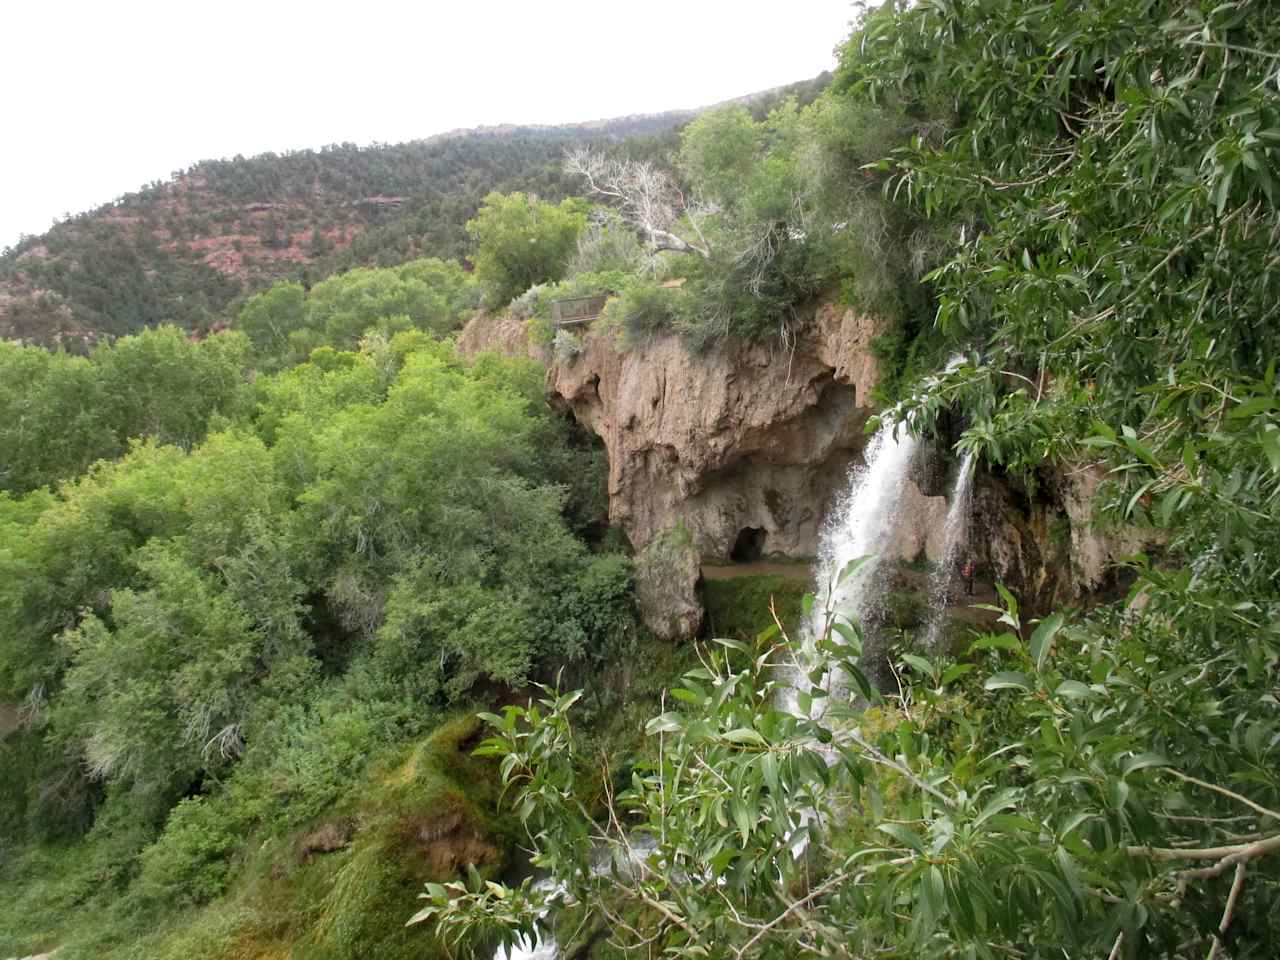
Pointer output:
x,y
955,539
861,525
544,945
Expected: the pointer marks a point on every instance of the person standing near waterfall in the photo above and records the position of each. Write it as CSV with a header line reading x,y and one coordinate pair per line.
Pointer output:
x,y
967,572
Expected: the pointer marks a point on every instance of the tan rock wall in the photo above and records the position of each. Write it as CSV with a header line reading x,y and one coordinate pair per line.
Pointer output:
x,y
756,436
743,436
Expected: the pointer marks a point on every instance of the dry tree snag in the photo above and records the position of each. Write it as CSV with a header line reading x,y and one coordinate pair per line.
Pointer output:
x,y
646,197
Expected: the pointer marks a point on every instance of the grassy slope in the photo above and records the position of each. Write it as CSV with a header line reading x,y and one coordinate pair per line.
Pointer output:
x,y
339,887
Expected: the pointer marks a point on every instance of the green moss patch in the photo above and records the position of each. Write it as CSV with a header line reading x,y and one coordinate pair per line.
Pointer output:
x,y
739,608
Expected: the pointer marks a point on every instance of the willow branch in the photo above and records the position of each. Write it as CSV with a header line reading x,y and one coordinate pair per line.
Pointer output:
x,y
1236,885
1226,793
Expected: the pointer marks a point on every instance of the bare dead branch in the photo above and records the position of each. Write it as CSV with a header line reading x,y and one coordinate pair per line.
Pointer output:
x,y
645,195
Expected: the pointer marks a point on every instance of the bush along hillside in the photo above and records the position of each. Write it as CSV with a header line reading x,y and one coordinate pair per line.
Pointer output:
x,y
59,413
1090,191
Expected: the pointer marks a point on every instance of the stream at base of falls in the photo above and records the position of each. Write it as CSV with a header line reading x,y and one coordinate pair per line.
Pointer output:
x,y
544,946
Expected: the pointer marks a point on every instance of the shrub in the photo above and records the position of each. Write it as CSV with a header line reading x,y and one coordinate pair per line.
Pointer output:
x,y
606,244
567,346
645,310
191,860
520,241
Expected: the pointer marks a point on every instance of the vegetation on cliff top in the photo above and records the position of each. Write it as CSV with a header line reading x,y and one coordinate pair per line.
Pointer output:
x,y
184,252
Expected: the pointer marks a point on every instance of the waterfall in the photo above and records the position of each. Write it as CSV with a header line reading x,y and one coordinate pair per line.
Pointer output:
x,y
955,537
862,524
543,945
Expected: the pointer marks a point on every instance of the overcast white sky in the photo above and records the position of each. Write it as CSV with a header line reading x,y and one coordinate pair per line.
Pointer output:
x,y
99,98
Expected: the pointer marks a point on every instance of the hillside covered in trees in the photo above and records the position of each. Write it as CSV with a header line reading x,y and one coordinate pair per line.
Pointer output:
x,y
315,640
181,252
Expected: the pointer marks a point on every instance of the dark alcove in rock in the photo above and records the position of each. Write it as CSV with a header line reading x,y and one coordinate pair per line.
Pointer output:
x,y
749,546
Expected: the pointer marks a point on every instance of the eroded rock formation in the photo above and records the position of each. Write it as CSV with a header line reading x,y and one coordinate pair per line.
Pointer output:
x,y
750,439
1050,547
667,575
748,445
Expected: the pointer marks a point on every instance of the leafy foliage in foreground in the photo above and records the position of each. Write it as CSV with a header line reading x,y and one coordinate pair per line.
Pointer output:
x,y
1042,811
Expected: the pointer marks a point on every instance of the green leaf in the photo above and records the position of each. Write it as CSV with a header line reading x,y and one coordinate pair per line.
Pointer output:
x,y
688,696
862,683
903,834
852,567
955,672
849,634
1008,679
1010,614
1143,761
769,767
1002,641
919,664
1270,441
1074,821
1008,823
1073,689
1042,639
1251,408
746,735
1003,800
664,723
742,818
934,891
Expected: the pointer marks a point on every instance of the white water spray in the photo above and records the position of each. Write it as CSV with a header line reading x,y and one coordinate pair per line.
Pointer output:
x,y
955,538
542,947
862,524
622,861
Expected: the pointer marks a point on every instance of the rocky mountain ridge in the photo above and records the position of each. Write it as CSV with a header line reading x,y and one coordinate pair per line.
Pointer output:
x,y
185,251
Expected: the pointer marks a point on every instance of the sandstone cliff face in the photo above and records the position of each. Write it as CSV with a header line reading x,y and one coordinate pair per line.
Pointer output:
x,y
745,445
749,445
1049,548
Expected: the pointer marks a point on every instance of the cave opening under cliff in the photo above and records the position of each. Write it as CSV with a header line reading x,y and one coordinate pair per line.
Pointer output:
x,y
749,545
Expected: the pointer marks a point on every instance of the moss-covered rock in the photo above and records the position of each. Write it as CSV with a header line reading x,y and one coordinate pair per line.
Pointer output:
x,y
667,573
